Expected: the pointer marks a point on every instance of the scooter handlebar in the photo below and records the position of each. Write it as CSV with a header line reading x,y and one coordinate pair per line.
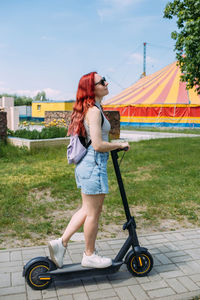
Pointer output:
x,y
121,149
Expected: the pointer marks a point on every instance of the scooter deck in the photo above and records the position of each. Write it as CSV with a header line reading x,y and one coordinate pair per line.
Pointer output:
x,y
76,270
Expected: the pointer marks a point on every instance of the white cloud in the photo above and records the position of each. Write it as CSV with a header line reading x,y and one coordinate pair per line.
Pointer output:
x,y
50,93
137,58
62,14
4,90
110,69
117,4
2,82
3,45
111,7
47,38
28,93
103,13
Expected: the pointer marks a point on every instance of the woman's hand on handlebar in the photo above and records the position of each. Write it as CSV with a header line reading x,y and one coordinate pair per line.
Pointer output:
x,y
125,145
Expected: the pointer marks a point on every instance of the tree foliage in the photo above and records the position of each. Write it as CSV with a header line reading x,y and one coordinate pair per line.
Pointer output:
x,y
24,100
41,96
187,38
19,100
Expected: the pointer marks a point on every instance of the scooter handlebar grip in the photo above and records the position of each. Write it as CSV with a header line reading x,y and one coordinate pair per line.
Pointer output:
x,y
122,149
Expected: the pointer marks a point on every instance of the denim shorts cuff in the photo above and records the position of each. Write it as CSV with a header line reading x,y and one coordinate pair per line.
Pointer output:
x,y
92,193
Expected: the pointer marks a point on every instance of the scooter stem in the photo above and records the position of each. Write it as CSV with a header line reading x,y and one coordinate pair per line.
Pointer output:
x,y
120,183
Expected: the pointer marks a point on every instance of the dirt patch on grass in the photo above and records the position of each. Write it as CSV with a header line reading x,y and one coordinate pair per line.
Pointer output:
x,y
114,229
144,173
43,195
144,226
8,240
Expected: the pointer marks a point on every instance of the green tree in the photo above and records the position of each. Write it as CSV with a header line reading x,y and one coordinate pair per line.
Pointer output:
x,y
187,38
41,96
19,100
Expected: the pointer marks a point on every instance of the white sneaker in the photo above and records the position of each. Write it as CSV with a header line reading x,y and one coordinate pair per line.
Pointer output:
x,y
57,251
95,261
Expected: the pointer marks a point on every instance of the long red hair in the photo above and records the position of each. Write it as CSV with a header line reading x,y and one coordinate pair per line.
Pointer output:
x,y
85,98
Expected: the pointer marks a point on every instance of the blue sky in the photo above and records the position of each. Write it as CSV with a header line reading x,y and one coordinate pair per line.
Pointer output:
x,y
49,44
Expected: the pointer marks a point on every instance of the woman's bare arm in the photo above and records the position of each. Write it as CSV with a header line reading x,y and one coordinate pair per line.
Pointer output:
x,y
93,118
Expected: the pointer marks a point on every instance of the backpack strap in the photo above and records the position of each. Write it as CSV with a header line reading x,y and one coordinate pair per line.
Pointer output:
x,y
102,120
88,144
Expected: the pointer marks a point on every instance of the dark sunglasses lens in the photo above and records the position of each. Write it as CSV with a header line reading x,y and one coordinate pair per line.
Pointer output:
x,y
103,81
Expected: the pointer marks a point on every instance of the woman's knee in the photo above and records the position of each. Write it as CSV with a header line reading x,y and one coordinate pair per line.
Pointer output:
x,y
90,211
84,209
93,205
94,213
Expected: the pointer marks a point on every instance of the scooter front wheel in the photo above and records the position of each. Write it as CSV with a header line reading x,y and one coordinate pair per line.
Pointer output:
x,y
32,276
141,267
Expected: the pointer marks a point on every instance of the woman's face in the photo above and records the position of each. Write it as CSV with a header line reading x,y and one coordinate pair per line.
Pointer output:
x,y
100,90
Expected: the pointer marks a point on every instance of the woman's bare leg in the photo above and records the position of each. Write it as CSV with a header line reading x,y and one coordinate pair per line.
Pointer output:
x,y
88,215
75,223
93,204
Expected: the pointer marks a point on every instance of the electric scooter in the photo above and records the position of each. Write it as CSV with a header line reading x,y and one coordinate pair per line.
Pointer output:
x,y
40,271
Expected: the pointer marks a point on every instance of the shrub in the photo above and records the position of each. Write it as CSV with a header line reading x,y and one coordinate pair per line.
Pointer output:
x,y
46,133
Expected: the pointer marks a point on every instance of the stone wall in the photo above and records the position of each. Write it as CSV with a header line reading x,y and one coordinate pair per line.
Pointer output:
x,y
114,119
3,125
112,116
50,116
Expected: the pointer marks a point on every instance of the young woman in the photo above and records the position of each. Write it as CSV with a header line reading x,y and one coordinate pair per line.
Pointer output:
x,y
91,171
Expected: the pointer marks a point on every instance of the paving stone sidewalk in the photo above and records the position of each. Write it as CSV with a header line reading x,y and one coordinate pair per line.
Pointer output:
x,y
135,135
176,272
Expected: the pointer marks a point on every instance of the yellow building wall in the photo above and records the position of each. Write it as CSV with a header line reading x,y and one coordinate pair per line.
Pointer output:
x,y
69,106
39,108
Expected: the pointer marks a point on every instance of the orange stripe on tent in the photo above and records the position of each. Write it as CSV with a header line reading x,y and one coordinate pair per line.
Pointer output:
x,y
148,94
144,89
163,87
166,89
173,90
182,95
139,86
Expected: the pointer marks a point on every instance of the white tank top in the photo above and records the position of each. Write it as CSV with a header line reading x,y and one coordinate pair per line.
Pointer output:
x,y
104,129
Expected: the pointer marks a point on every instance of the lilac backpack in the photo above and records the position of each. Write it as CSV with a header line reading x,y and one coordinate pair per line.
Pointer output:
x,y
76,150
77,147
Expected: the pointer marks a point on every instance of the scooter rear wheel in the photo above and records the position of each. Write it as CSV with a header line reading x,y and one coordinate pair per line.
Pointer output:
x,y
145,264
32,276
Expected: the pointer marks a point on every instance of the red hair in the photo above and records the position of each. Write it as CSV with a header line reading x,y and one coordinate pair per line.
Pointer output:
x,y
85,98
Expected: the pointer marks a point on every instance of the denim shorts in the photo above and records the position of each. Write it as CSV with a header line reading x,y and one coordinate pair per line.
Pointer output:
x,y
91,172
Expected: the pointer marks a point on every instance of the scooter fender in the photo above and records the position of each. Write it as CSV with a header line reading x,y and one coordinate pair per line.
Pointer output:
x,y
37,260
137,249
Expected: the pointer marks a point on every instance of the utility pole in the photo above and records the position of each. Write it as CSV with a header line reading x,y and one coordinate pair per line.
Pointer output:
x,y
144,62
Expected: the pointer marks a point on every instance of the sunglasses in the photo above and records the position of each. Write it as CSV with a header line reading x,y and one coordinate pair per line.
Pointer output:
x,y
102,81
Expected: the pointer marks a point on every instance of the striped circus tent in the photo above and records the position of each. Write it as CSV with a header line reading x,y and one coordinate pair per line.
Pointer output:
x,y
159,99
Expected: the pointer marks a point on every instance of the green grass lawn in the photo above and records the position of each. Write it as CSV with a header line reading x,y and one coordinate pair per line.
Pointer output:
x,y
161,177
